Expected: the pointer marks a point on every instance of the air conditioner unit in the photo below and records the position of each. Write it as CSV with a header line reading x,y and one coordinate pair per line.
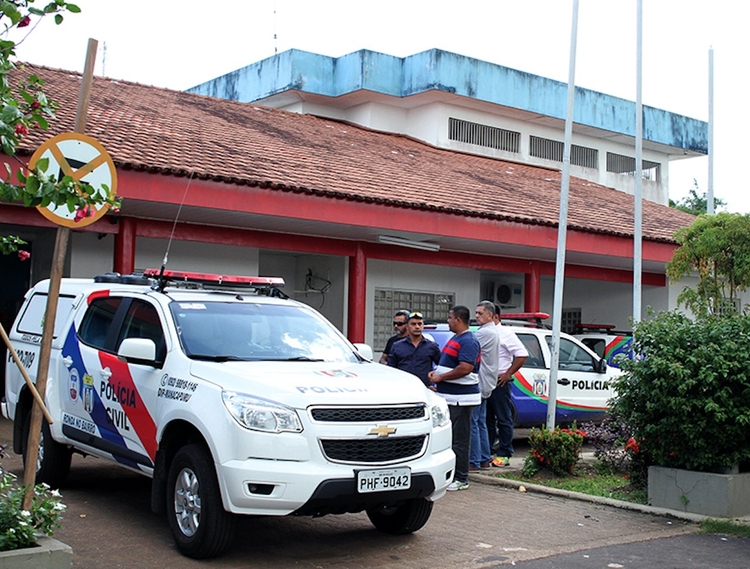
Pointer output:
x,y
509,295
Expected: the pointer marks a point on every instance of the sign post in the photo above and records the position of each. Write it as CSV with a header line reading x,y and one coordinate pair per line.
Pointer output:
x,y
98,168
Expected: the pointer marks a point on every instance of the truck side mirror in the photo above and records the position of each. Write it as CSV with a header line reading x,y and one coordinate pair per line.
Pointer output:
x,y
365,351
138,350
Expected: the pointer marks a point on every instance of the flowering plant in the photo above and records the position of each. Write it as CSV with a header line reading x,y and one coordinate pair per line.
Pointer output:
x,y
557,450
19,527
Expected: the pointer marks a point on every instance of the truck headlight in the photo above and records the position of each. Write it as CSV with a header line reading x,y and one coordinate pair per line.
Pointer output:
x,y
440,414
261,415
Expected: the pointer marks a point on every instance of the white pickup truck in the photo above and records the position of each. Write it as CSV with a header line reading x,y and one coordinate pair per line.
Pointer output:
x,y
233,399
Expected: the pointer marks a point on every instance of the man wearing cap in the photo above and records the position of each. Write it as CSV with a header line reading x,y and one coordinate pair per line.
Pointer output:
x,y
399,324
415,353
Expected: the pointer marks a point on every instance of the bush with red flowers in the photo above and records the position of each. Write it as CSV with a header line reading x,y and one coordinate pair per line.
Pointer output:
x,y
556,450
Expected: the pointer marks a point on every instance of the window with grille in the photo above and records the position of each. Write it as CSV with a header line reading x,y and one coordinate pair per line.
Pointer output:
x,y
553,150
625,165
433,306
570,317
483,135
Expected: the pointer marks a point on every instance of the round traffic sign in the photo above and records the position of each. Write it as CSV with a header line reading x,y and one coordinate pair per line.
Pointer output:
x,y
85,160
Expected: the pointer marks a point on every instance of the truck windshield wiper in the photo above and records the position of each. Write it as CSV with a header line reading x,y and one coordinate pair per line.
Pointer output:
x,y
212,358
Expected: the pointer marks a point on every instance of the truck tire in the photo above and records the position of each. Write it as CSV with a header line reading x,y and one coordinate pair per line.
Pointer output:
x,y
53,458
403,518
200,525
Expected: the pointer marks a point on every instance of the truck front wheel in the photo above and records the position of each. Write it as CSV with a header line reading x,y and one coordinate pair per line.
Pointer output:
x,y
200,525
400,519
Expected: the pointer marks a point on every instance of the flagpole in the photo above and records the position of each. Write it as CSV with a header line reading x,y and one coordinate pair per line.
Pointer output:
x,y
562,228
638,197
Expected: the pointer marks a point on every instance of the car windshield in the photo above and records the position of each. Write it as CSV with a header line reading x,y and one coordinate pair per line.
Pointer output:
x,y
249,331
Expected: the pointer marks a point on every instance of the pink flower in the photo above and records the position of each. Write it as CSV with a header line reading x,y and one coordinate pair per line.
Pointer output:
x,y
23,255
83,213
21,129
23,22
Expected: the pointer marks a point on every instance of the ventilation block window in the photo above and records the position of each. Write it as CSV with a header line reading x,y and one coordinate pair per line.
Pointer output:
x,y
483,135
553,150
619,164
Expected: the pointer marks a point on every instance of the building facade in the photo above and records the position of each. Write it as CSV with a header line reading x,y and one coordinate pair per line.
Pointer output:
x,y
360,220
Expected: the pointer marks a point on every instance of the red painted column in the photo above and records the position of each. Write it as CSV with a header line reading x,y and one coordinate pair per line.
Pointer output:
x,y
532,287
124,262
357,295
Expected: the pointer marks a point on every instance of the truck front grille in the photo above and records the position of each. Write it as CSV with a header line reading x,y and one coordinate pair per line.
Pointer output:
x,y
374,451
368,414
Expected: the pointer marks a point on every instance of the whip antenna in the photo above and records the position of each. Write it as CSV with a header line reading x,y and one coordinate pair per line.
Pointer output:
x,y
162,280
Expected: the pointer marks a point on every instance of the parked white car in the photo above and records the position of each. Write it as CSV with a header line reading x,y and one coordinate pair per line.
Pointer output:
x,y
234,400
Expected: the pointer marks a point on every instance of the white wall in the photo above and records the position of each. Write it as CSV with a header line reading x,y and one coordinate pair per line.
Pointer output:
x,y
194,256
91,256
293,268
605,302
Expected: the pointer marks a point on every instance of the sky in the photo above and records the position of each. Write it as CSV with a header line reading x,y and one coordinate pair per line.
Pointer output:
x,y
179,44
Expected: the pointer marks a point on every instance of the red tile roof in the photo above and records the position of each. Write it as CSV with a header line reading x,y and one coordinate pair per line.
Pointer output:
x,y
154,129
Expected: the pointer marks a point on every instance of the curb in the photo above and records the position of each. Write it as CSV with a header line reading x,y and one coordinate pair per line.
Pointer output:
x,y
539,489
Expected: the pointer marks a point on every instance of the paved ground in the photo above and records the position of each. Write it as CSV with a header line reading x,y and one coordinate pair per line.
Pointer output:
x,y
108,523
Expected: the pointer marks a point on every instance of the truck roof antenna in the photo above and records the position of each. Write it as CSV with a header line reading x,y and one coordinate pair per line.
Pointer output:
x,y
162,280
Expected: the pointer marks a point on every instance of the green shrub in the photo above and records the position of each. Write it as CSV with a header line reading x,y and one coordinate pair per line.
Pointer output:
x,y
557,451
687,398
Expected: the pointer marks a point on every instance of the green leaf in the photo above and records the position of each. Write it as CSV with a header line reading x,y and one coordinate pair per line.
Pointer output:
x,y
42,164
58,19
73,8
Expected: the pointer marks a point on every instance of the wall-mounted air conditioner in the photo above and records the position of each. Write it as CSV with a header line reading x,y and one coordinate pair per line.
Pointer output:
x,y
509,295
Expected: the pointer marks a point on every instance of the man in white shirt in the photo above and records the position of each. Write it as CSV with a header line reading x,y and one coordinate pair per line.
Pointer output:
x,y
511,356
479,457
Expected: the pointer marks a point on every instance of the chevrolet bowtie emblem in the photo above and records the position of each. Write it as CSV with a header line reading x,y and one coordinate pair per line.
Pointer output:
x,y
382,431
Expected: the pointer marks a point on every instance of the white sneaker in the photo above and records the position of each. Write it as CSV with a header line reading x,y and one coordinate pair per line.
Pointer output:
x,y
458,485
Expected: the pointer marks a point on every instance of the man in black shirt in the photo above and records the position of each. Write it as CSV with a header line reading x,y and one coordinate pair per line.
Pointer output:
x,y
399,324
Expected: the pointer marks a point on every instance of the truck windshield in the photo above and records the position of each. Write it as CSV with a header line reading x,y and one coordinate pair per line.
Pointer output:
x,y
248,331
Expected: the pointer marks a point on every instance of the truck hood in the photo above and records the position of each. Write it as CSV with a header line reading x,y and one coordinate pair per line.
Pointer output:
x,y
300,384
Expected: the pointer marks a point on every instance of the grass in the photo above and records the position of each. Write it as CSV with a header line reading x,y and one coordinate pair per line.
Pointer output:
x,y
726,527
587,480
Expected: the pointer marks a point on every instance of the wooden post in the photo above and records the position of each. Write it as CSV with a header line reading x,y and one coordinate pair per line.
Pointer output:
x,y
58,259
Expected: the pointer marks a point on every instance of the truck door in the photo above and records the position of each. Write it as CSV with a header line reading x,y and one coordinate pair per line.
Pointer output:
x,y
112,411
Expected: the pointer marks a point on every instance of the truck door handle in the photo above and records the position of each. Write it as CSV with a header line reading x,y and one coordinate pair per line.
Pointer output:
x,y
563,381
106,373
67,361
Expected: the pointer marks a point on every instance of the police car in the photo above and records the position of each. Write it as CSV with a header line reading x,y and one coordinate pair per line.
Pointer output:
x,y
584,381
606,342
233,399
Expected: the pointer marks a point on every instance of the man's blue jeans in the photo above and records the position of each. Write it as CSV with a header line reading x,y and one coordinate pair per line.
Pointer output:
x,y
480,442
501,406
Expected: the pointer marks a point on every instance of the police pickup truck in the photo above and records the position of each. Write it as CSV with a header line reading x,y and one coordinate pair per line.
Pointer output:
x,y
233,399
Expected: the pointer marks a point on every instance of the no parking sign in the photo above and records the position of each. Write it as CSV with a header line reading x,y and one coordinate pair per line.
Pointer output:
x,y
85,160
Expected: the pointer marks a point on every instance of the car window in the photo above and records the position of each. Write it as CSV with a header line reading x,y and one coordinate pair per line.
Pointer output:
x,y
97,322
573,357
595,344
142,321
531,342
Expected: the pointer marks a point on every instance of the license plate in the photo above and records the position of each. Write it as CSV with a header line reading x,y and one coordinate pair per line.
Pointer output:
x,y
383,480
